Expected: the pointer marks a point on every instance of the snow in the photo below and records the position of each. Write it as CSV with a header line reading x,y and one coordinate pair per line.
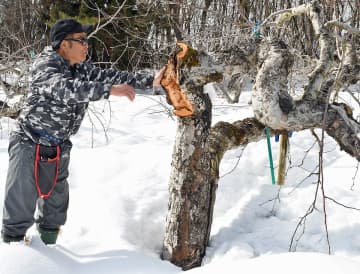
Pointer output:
x,y
119,195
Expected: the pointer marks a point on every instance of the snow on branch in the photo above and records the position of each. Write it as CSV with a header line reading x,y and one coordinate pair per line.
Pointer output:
x,y
344,26
275,108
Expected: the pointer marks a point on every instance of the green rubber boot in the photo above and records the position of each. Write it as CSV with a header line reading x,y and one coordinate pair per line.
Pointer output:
x,y
48,236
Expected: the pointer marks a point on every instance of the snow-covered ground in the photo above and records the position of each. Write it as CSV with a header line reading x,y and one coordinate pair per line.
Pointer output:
x,y
118,202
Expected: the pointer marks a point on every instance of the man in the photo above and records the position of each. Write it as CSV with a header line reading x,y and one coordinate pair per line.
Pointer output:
x,y
61,87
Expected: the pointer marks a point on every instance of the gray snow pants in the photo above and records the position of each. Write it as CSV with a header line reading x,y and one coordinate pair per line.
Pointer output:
x,y
21,194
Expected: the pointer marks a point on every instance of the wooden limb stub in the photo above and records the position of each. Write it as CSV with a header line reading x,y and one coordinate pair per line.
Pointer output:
x,y
283,151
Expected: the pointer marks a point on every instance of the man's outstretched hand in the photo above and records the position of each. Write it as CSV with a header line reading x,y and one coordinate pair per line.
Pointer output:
x,y
123,90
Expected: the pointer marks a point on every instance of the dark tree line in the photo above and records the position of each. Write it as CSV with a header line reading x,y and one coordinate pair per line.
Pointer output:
x,y
144,32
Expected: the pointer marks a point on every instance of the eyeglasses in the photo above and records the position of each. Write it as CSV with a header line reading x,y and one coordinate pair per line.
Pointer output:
x,y
83,41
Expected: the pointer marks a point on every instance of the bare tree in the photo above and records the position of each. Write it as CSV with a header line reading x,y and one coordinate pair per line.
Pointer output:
x,y
193,183
20,38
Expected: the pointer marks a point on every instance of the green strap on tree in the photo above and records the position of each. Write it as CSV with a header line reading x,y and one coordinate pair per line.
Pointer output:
x,y
267,131
32,54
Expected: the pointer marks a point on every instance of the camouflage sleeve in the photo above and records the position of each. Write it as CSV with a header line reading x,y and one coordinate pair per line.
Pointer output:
x,y
138,80
143,80
48,79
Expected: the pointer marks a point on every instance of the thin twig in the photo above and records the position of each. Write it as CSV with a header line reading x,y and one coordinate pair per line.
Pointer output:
x,y
302,223
338,203
321,152
159,102
112,18
236,164
354,177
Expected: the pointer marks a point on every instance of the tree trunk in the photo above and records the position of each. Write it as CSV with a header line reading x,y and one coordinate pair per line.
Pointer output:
x,y
197,155
190,189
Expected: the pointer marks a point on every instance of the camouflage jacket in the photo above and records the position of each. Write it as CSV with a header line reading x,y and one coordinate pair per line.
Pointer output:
x,y
59,96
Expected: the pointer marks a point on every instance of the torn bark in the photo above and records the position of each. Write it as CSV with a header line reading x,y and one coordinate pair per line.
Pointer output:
x,y
171,84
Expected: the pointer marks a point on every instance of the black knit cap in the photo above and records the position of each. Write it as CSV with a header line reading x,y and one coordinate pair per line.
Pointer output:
x,y
63,27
